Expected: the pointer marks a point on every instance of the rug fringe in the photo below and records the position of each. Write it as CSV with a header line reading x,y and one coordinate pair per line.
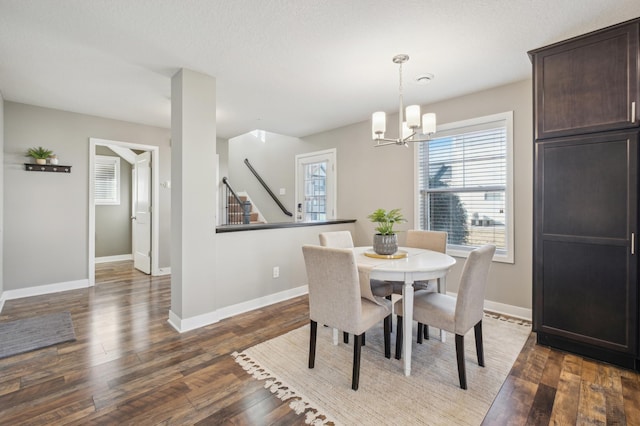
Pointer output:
x,y
284,393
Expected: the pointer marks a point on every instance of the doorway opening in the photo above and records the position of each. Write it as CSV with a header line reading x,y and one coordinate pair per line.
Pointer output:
x,y
144,218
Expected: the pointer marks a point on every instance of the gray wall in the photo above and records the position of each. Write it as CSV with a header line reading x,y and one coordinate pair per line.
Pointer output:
x,y
46,215
113,222
370,178
274,160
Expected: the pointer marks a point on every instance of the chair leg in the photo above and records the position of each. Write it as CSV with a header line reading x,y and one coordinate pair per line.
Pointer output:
x,y
345,337
387,336
426,332
357,349
420,326
399,338
363,339
479,348
391,320
312,343
462,373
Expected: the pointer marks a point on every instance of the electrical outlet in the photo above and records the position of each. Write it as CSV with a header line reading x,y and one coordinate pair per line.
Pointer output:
x,y
276,271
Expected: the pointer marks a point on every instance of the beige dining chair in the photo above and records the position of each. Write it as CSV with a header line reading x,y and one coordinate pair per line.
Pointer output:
x,y
459,314
335,300
343,239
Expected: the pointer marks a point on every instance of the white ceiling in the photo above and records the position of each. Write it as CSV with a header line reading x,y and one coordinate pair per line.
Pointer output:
x,y
294,67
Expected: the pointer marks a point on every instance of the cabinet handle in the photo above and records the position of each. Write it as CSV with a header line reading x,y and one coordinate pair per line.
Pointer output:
x,y
633,243
633,112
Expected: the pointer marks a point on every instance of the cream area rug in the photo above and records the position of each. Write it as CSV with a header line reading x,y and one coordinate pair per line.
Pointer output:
x,y
430,396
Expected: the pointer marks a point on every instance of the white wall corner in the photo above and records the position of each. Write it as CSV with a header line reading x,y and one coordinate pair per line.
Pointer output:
x,y
188,324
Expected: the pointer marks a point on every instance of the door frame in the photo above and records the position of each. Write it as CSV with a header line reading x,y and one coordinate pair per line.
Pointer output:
x,y
332,197
155,211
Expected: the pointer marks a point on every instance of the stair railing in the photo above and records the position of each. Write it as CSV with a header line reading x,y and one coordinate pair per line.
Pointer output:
x,y
245,206
266,187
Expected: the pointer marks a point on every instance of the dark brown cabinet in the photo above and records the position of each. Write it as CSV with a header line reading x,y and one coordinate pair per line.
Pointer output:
x,y
585,265
587,84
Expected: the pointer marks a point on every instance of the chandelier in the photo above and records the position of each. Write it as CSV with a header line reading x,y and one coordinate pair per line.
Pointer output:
x,y
407,129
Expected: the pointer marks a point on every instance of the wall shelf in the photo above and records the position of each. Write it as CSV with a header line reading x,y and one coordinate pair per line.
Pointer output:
x,y
30,167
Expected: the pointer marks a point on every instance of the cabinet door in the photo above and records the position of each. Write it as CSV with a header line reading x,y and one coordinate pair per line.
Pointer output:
x,y
588,84
585,267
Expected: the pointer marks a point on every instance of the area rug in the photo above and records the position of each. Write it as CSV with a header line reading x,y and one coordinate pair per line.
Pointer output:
x,y
430,396
28,334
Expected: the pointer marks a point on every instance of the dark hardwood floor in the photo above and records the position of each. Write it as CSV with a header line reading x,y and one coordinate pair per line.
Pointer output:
x,y
129,366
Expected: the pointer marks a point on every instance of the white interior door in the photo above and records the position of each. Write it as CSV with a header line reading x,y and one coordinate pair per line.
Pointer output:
x,y
141,219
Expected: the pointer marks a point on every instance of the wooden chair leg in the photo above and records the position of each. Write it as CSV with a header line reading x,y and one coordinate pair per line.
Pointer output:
x,y
399,338
357,349
312,343
420,326
363,339
479,348
462,373
426,332
345,337
387,336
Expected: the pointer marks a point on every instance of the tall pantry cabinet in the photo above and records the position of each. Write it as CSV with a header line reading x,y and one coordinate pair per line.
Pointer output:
x,y
585,255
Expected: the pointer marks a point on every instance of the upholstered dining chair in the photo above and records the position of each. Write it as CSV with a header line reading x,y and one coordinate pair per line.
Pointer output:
x,y
335,300
459,314
343,239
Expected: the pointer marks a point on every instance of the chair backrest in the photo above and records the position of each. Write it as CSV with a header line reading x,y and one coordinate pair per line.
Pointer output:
x,y
337,239
429,240
334,287
473,282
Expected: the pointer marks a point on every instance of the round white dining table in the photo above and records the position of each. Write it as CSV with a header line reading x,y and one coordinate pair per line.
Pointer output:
x,y
416,265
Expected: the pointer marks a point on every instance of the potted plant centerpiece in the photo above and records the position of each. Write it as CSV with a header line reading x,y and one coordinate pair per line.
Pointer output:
x,y
40,154
385,241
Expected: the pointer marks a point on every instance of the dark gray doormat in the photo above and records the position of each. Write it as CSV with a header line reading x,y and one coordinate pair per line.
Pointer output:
x,y
17,337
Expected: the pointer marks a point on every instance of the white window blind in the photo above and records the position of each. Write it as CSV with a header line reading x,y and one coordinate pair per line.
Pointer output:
x,y
464,180
107,180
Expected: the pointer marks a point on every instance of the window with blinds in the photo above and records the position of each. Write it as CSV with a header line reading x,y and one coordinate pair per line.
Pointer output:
x,y
107,180
464,181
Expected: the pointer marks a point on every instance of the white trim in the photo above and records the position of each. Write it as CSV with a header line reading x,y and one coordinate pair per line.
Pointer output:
x,y
44,289
503,308
1,302
117,258
164,271
188,324
489,121
155,196
332,157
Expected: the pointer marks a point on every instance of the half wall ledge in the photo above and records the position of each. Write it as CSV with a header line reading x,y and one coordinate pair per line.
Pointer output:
x,y
259,226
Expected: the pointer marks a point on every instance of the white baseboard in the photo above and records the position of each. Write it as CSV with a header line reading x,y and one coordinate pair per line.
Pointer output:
x,y
503,308
162,271
118,258
1,302
44,289
509,310
187,324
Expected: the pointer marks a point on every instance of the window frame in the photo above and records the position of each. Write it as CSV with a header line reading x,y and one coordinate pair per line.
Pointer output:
x,y
505,255
109,161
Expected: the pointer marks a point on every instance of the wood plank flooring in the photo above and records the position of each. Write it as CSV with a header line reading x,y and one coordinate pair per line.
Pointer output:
x,y
129,366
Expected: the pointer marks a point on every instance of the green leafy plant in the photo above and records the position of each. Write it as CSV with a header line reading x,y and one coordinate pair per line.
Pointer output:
x,y
39,153
386,220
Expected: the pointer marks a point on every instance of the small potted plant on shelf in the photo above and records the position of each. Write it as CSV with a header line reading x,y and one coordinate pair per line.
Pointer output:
x,y
40,154
385,241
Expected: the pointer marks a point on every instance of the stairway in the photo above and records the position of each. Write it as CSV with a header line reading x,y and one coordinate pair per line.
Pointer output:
x,y
235,213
